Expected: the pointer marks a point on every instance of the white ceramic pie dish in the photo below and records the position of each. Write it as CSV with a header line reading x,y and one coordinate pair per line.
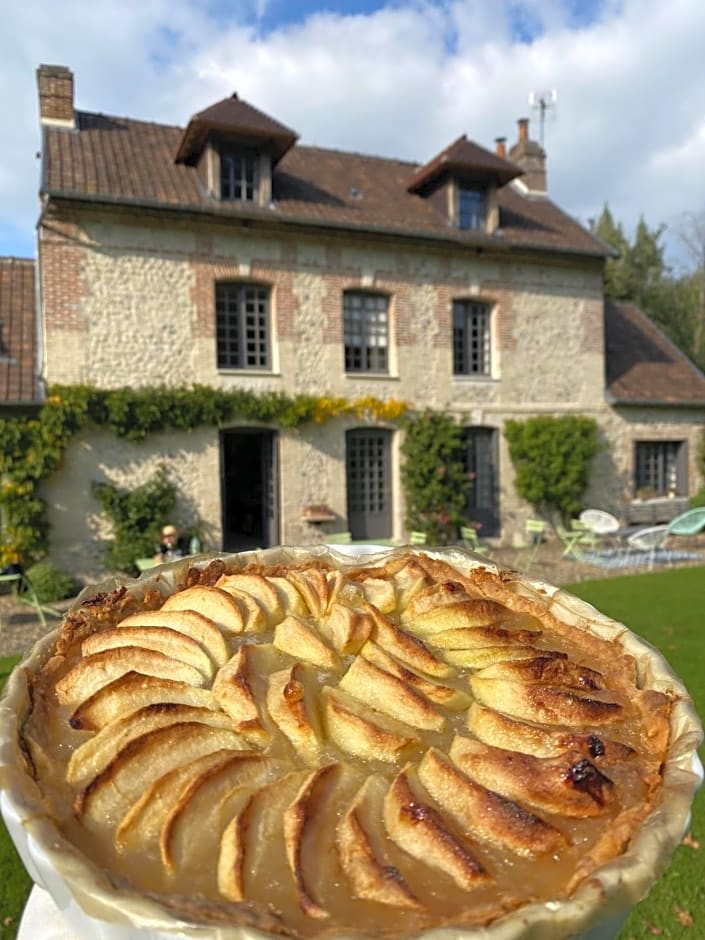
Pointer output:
x,y
94,908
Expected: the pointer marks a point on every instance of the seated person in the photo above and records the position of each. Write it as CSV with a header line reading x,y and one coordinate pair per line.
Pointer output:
x,y
173,545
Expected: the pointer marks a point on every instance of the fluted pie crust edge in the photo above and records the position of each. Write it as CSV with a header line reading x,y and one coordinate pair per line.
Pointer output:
x,y
613,886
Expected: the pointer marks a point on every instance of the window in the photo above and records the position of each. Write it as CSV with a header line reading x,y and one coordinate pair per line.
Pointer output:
x,y
471,338
366,330
472,212
238,176
661,467
242,326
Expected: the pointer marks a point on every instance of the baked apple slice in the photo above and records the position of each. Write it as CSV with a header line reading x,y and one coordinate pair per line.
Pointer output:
x,y
212,603
92,673
133,691
188,622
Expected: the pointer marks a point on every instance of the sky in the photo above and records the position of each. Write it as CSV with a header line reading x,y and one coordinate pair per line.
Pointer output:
x,y
396,78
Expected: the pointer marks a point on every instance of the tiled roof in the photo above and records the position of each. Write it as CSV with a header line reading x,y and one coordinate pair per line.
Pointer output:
x,y
18,340
234,115
469,159
642,365
123,160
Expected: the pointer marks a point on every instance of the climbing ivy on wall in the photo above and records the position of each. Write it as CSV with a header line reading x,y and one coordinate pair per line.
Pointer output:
x,y
31,449
552,458
436,482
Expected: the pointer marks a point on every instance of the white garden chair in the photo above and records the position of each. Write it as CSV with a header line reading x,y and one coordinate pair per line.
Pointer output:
x,y
648,540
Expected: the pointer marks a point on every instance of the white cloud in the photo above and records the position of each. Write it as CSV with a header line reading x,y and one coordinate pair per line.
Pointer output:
x,y
403,81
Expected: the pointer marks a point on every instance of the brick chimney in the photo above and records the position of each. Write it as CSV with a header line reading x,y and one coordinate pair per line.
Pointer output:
x,y
531,157
55,85
500,146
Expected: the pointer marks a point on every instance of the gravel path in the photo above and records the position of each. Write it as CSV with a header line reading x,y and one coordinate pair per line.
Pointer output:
x,y
20,629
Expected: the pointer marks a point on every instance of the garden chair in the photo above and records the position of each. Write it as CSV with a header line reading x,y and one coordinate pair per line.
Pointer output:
x,y
468,537
576,539
535,534
648,540
25,594
339,538
691,522
417,538
600,522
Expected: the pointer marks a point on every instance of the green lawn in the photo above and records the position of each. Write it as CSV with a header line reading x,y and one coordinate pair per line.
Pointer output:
x,y
667,608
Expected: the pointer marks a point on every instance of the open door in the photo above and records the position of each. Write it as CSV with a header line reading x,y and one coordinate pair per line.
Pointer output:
x,y
248,460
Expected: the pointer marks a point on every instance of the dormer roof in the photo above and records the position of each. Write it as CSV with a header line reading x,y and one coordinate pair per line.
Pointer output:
x,y
234,118
466,160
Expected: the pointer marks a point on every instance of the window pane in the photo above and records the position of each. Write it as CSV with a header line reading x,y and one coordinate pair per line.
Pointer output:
x,y
365,324
238,176
658,467
242,326
471,338
471,208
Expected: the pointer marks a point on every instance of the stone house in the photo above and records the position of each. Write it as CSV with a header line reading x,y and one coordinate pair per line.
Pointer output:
x,y
227,254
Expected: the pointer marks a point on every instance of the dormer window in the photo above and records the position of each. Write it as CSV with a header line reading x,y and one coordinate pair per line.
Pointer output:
x,y
472,207
239,175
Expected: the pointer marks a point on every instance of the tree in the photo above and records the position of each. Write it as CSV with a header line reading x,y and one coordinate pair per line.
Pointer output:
x,y
640,275
692,234
551,458
615,277
436,483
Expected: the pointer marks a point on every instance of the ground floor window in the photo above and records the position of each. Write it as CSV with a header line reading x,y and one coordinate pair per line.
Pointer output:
x,y
660,468
369,483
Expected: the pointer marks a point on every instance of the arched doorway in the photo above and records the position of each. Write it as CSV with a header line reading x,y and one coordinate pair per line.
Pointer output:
x,y
369,483
249,487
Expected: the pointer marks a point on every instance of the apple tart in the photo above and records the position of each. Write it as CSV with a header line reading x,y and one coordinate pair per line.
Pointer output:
x,y
303,744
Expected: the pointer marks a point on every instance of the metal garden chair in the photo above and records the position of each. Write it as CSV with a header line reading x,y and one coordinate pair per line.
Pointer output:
x,y
648,540
417,538
25,594
535,534
469,538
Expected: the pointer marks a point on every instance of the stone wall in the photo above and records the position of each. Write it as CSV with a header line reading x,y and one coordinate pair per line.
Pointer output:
x,y
131,302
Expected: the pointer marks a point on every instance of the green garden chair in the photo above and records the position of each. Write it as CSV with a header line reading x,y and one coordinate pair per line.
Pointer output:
x,y
417,538
25,594
468,537
535,535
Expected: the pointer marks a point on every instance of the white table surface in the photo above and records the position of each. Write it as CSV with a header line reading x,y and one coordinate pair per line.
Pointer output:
x,y
41,919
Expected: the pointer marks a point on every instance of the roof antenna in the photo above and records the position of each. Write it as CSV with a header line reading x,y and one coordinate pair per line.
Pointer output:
x,y
543,102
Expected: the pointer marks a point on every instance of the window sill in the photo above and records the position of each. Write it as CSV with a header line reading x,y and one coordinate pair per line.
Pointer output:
x,y
263,373
376,376
472,377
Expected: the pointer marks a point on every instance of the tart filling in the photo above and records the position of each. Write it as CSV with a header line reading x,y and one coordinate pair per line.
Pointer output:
x,y
318,748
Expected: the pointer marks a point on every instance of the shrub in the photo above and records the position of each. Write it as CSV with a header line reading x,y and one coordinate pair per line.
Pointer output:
x,y
436,484
50,583
551,458
137,516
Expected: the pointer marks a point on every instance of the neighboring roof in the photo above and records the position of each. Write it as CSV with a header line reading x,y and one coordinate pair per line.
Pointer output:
x,y
233,116
642,366
468,160
18,339
132,162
